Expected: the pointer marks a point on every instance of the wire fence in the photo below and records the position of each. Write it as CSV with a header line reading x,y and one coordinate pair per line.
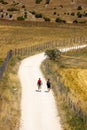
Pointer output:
x,y
50,45
75,106
27,51
6,60
65,95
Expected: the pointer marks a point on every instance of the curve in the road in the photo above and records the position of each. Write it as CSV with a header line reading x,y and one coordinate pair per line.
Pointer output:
x,y
38,108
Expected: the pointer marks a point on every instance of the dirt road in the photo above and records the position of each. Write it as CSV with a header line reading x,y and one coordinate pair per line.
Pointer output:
x,y
38,108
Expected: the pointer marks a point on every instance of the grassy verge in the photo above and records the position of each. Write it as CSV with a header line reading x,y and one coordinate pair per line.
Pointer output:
x,y
74,75
10,94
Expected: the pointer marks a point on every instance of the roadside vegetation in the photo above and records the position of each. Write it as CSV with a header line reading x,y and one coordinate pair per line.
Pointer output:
x,y
72,67
10,95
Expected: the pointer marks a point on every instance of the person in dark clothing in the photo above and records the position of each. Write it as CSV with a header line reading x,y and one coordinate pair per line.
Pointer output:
x,y
48,85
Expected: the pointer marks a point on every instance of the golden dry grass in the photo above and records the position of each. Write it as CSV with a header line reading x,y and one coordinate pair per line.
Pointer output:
x,y
10,95
74,79
19,34
74,74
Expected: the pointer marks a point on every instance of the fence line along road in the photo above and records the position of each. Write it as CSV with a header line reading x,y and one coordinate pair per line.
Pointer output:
x,y
71,43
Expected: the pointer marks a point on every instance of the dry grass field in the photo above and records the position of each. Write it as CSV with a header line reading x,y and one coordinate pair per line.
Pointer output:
x,y
10,96
72,66
75,75
15,34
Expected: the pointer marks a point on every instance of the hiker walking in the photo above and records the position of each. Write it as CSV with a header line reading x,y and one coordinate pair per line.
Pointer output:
x,y
39,83
48,85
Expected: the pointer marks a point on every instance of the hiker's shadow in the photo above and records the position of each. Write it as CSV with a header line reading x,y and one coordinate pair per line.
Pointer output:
x,y
46,91
38,90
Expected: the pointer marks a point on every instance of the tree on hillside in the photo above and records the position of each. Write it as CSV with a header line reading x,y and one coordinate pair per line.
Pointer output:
x,y
47,1
59,20
53,54
79,7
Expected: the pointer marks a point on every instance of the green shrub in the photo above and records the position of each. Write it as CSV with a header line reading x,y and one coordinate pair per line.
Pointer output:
x,y
10,16
82,22
64,13
64,21
25,15
38,1
20,18
12,9
5,3
60,20
61,6
54,13
54,7
32,12
6,13
1,1
23,6
53,54
14,3
47,19
79,8
79,15
75,21
73,14
38,15
85,14
47,1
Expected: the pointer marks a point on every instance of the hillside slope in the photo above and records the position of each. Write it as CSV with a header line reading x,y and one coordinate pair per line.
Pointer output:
x,y
44,10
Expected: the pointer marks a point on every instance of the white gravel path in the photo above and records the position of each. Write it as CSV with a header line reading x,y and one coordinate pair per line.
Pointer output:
x,y
38,108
